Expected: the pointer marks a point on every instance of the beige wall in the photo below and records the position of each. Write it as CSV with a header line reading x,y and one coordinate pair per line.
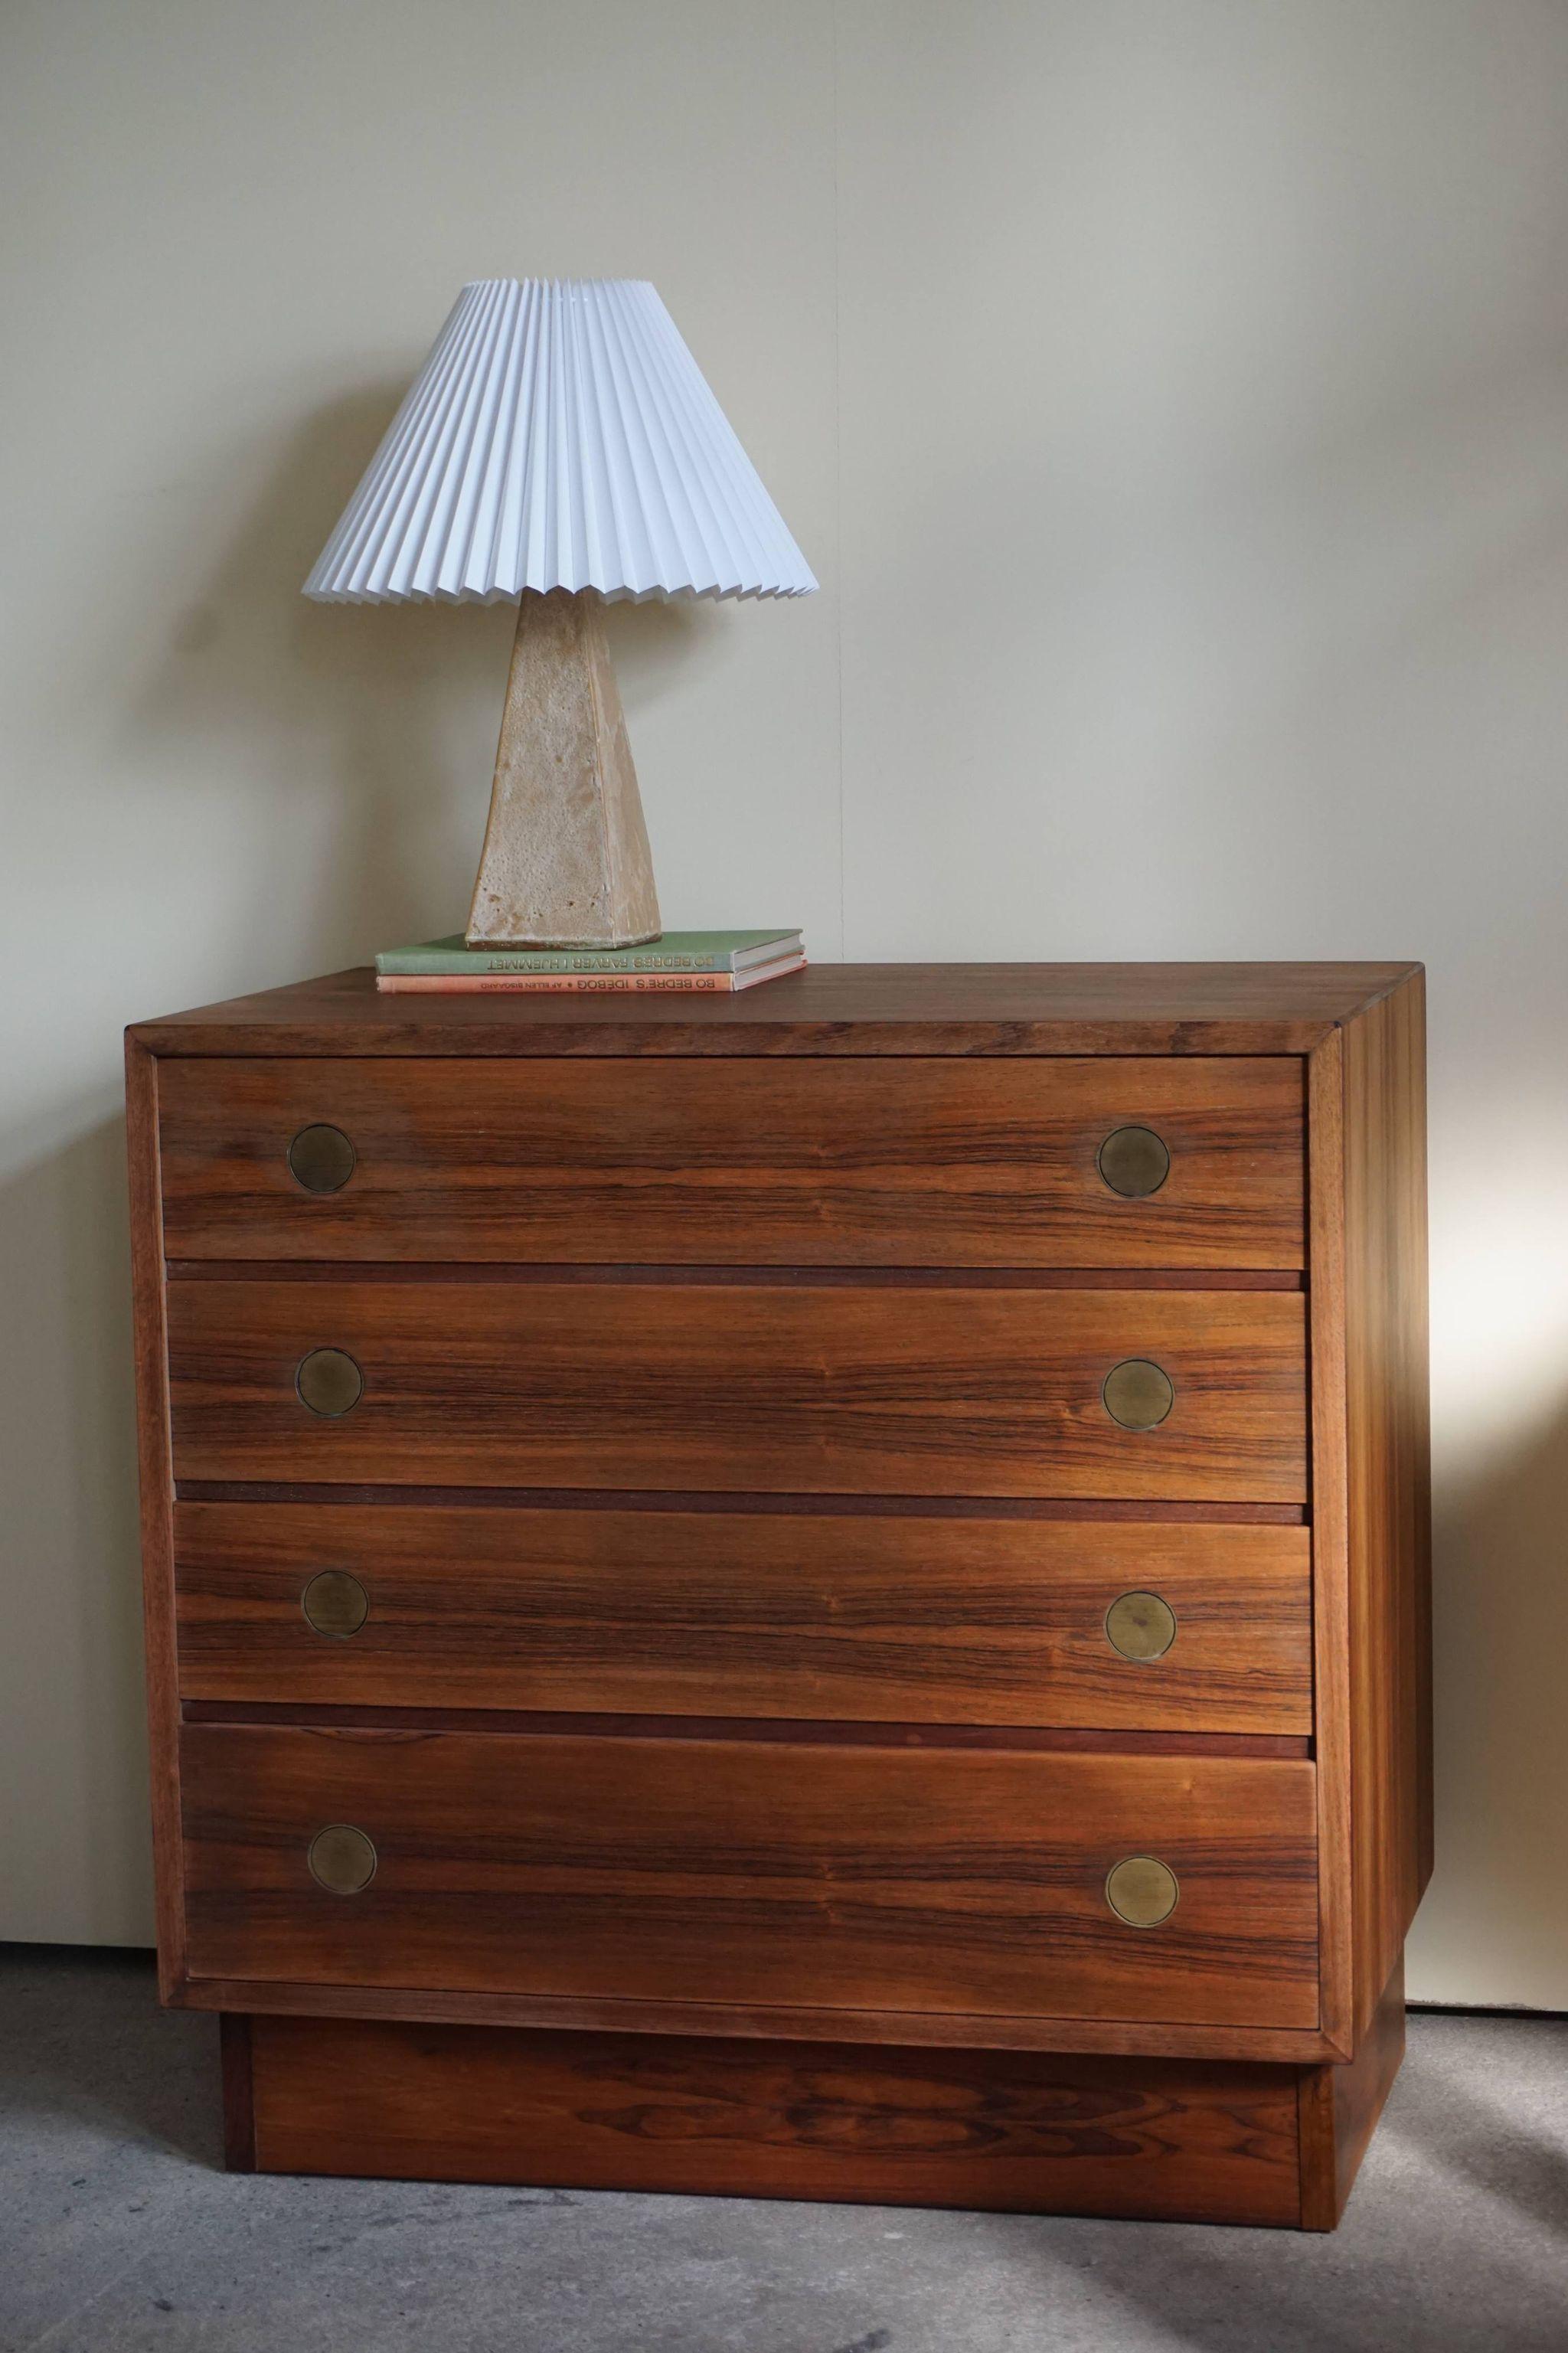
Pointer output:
x,y
1172,397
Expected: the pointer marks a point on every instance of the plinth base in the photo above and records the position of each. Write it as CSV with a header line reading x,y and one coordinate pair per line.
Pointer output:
x,y
1156,2140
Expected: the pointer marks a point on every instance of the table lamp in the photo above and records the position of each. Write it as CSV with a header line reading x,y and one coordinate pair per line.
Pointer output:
x,y
560,446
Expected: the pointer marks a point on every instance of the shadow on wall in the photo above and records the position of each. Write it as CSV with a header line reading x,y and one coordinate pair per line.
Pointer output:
x,y
1500,1613
386,718
347,752
73,1610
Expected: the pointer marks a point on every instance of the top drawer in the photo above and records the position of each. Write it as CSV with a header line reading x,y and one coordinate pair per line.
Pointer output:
x,y
797,1161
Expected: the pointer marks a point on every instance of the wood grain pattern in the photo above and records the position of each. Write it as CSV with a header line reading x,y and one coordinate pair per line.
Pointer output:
x,y
755,1693
1340,2106
1330,1522
156,1498
907,1163
1171,2140
1390,1478
824,1389
866,1877
953,1621
1013,1009
1371,1497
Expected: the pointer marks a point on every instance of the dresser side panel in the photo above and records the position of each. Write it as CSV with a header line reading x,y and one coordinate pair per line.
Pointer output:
x,y
1389,1483
1330,1518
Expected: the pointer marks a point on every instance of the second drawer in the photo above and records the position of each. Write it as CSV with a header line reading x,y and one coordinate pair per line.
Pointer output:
x,y
920,1387
811,1615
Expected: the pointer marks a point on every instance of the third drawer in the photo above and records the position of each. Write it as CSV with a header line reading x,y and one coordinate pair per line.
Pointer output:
x,y
963,1620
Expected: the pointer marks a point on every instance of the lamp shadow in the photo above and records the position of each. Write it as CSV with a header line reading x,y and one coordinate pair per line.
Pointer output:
x,y
359,825
379,723
72,1584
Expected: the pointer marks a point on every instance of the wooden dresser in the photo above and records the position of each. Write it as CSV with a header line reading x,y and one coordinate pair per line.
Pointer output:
x,y
820,1593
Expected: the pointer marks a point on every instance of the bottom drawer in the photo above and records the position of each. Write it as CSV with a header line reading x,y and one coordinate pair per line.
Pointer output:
x,y
821,1874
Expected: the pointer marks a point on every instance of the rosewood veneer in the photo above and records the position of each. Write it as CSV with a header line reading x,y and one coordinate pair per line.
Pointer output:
x,y
818,1593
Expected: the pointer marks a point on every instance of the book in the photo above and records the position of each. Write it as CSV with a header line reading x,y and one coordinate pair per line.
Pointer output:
x,y
583,984
672,951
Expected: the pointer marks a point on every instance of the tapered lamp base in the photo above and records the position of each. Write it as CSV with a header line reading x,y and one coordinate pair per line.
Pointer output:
x,y
566,860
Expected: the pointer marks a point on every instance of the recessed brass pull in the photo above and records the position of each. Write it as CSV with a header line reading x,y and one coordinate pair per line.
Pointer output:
x,y
329,1382
1140,1626
1142,1890
342,1860
1138,1394
1135,1162
322,1158
335,1603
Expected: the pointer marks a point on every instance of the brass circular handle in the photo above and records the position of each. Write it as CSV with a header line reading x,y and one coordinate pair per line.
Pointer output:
x,y
342,1860
1142,1890
1140,1626
335,1603
1135,1162
1138,1394
322,1159
329,1382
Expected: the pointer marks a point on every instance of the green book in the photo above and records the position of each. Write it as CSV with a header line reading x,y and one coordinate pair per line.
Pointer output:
x,y
671,952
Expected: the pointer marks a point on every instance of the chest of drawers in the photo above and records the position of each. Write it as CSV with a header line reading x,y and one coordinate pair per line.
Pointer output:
x,y
817,1594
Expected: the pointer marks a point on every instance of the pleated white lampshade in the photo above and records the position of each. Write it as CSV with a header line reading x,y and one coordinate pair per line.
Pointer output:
x,y
558,435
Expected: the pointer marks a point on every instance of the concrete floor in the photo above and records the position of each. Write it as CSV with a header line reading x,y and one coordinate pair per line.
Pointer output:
x,y
118,2231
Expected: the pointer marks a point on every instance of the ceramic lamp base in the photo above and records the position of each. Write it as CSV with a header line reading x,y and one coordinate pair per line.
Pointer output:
x,y
566,861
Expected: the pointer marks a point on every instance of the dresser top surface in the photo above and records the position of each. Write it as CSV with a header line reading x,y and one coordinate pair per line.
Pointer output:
x,y
886,1009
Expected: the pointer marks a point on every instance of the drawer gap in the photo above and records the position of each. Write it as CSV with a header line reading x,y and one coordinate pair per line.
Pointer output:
x,y
828,1732
738,1277
676,1499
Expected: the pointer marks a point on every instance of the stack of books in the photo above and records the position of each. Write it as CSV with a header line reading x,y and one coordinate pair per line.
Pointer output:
x,y
705,961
